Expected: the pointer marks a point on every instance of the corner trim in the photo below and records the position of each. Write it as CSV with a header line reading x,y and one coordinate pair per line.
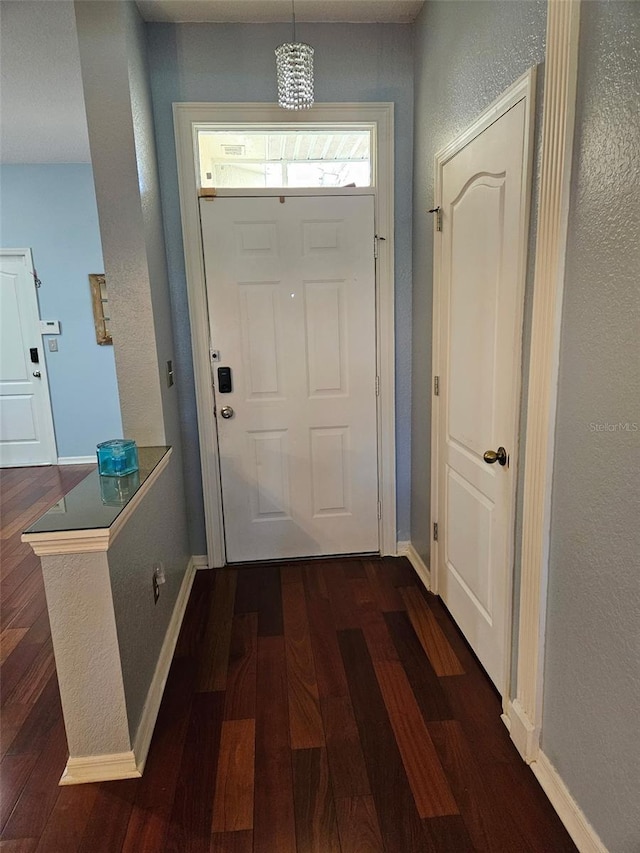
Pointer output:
x,y
200,561
77,460
560,85
523,734
149,715
100,539
406,549
583,834
100,768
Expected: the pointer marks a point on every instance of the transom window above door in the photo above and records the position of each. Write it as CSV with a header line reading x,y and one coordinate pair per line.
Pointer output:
x,y
262,157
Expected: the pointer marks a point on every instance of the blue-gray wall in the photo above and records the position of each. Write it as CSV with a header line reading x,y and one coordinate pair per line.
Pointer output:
x,y
235,62
51,209
466,55
121,135
592,662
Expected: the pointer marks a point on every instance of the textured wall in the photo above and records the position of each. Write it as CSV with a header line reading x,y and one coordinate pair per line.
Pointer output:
x,y
104,57
235,62
85,641
149,187
149,537
112,50
466,55
52,210
592,665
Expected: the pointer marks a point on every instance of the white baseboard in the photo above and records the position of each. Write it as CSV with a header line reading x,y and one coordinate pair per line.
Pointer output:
x,y
200,561
78,460
142,739
524,734
406,549
100,768
583,834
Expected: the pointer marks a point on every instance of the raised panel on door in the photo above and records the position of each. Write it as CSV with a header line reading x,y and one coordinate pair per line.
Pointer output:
x,y
474,284
261,327
291,292
267,454
331,473
326,338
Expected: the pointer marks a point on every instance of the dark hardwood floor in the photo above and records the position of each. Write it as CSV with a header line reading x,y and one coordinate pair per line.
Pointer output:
x,y
320,706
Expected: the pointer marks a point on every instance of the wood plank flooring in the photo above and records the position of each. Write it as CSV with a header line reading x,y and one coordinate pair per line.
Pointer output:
x,y
321,707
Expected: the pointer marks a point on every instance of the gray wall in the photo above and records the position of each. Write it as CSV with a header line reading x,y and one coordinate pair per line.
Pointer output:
x,y
121,135
104,57
466,55
235,62
147,538
592,664
51,209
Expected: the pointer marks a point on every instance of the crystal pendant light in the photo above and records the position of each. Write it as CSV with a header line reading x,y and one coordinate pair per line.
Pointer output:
x,y
294,63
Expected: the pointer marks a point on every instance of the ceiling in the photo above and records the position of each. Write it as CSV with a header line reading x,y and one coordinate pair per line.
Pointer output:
x,y
269,11
42,117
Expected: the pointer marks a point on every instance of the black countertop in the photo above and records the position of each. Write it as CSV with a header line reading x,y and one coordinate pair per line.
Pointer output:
x,y
97,501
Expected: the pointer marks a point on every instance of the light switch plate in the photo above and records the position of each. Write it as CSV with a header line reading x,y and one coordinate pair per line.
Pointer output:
x,y
53,345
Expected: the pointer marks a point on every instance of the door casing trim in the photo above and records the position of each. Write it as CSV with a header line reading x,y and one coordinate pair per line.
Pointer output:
x,y
558,121
49,440
186,117
522,89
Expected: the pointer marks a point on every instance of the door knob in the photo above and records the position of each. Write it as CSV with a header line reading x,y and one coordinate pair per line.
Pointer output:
x,y
226,412
37,374
499,455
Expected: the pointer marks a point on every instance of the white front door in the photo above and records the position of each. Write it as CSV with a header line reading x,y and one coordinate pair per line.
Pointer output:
x,y
26,424
291,295
483,254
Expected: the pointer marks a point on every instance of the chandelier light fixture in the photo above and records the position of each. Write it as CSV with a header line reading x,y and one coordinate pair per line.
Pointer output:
x,y
294,64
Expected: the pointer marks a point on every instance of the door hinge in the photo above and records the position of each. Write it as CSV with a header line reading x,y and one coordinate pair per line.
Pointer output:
x,y
379,510
377,386
436,386
435,531
376,244
438,213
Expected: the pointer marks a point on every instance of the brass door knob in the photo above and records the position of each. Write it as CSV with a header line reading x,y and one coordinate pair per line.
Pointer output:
x,y
499,455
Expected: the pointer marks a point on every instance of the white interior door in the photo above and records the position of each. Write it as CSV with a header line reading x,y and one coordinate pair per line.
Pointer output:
x,y
26,424
483,250
291,295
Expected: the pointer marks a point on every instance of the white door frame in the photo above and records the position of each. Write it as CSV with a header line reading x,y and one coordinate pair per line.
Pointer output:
x,y
187,116
523,716
49,439
522,89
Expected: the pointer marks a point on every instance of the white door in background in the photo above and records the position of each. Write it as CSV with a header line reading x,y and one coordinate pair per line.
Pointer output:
x,y
291,295
26,424
481,303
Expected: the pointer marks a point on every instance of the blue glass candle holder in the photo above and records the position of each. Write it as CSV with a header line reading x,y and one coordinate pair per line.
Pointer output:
x,y
117,458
